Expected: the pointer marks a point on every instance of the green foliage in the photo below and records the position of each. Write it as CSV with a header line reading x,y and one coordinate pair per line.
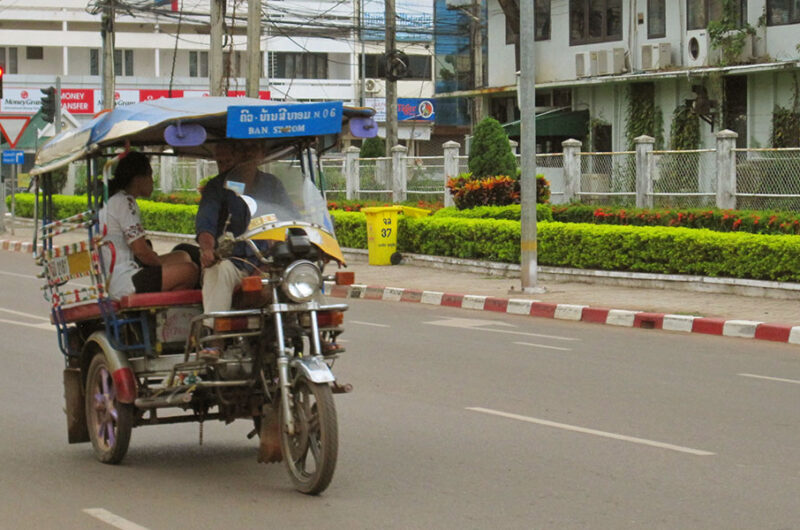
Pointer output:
x,y
727,35
644,118
512,212
623,248
785,127
350,228
373,148
490,151
685,130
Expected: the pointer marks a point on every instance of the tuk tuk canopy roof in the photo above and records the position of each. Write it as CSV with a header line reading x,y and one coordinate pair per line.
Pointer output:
x,y
144,124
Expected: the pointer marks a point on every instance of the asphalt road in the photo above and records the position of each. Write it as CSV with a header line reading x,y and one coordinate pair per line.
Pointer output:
x,y
458,419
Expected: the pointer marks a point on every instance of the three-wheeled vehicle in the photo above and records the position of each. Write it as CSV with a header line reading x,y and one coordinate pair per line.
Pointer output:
x,y
129,360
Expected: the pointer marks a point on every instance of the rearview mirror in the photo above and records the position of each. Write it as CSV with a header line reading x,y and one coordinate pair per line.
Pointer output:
x,y
183,135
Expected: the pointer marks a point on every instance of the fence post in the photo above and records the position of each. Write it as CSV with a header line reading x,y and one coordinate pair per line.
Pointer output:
x,y
644,177
450,168
352,176
399,173
571,149
726,169
166,168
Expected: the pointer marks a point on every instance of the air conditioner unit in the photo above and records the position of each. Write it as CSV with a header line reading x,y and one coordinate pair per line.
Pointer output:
x,y
697,49
618,61
374,86
581,67
656,56
598,63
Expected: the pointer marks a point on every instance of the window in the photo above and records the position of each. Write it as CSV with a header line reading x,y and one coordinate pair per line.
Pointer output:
x,y
700,13
198,64
656,19
300,65
34,53
542,19
94,61
123,63
419,67
8,58
783,12
594,21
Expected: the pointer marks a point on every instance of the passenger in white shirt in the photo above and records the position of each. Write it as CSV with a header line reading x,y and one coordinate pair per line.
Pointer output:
x,y
132,265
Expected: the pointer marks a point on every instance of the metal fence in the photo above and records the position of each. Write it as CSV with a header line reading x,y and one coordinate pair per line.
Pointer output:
x,y
333,179
768,179
683,179
608,178
426,177
374,179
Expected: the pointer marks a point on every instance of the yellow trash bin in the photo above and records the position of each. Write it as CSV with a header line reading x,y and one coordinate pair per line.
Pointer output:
x,y
411,211
381,233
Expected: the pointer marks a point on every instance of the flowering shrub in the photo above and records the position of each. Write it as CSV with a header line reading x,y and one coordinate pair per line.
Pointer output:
x,y
756,222
469,192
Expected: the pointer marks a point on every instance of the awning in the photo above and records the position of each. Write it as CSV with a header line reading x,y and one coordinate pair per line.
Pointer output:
x,y
566,123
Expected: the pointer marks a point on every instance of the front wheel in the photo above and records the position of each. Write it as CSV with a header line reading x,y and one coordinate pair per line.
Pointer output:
x,y
109,422
310,454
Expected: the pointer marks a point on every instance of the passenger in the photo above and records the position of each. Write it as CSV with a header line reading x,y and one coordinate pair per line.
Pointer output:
x,y
133,266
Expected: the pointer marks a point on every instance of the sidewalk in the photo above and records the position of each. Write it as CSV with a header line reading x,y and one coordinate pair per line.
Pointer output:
x,y
721,314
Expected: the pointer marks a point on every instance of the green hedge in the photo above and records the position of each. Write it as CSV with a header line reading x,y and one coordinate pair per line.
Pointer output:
x,y
665,250
161,217
511,213
660,250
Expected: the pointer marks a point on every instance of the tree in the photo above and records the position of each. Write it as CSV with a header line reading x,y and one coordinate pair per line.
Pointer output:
x,y
490,151
373,148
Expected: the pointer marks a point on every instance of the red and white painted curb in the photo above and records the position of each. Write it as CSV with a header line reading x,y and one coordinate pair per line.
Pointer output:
x,y
16,246
749,329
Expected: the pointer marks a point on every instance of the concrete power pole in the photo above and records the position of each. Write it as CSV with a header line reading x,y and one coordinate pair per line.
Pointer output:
x,y
527,87
215,77
391,82
476,28
253,47
107,34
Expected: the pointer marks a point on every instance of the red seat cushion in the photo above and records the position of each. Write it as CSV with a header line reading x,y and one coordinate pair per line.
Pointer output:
x,y
86,311
186,297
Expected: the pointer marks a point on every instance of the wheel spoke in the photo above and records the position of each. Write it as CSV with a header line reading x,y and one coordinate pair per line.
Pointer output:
x,y
104,376
111,439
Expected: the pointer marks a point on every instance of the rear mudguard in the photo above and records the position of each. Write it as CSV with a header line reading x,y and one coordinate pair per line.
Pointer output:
x,y
313,368
118,364
77,431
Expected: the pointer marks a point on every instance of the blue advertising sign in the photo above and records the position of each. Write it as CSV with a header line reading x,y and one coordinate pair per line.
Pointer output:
x,y
13,156
415,109
284,121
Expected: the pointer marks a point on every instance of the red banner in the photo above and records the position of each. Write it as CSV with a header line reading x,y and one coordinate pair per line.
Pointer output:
x,y
78,100
148,95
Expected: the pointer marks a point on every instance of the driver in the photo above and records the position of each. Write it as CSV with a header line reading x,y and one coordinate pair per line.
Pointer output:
x,y
222,209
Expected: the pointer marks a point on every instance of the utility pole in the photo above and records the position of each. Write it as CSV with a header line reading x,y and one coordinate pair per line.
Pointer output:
x,y
107,33
57,120
215,77
527,87
253,47
391,81
476,30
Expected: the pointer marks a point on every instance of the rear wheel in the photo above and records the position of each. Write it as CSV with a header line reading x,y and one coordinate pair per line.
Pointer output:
x,y
109,422
310,454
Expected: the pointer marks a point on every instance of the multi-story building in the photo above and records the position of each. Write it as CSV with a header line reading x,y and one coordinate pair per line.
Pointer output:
x,y
612,69
311,50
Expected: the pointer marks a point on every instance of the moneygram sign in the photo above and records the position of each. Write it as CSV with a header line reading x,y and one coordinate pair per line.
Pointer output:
x,y
89,101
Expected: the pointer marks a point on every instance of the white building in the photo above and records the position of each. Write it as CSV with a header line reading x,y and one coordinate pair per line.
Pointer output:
x,y
592,55
311,50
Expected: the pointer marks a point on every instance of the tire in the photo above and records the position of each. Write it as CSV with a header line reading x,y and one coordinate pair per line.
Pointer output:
x,y
110,423
310,454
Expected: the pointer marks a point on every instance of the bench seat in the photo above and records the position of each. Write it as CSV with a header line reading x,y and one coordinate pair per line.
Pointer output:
x,y
91,310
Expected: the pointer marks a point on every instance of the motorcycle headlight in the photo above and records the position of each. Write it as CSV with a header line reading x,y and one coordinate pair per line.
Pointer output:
x,y
301,281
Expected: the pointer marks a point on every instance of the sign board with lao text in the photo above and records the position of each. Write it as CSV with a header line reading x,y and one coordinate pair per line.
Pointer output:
x,y
285,121
13,156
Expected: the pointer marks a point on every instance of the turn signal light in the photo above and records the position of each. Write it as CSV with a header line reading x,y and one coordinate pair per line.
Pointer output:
x,y
224,324
330,319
